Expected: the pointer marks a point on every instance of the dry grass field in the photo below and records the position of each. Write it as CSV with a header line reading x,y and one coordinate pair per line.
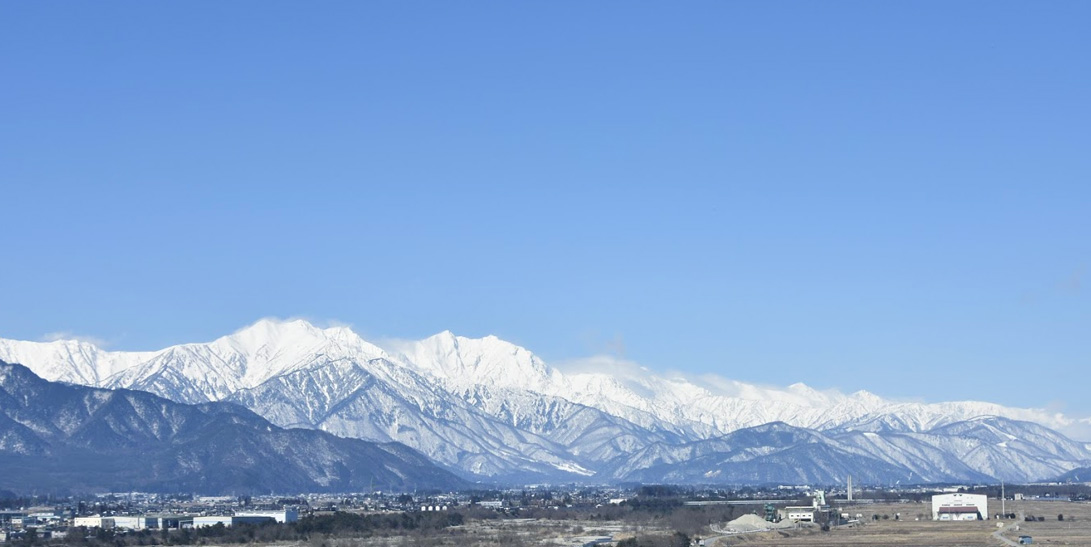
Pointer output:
x,y
1075,529
906,530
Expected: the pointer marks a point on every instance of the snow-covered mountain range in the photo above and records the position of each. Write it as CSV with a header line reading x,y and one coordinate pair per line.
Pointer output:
x,y
62,438
492,409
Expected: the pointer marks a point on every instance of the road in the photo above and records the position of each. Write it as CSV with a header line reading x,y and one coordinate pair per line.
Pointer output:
x,y
998,534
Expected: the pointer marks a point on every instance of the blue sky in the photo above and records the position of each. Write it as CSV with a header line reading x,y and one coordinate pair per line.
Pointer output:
x,y
857,195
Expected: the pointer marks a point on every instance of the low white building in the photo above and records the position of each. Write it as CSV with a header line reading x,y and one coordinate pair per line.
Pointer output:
x,y
960,507
92,522
201,522
256,517
799,513
117,521
806,513
136,522
282,516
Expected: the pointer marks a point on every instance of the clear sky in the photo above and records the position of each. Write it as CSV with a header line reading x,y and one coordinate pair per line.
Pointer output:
x,y
891,196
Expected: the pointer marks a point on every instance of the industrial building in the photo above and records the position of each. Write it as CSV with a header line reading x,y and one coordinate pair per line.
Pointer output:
x,y
281,516
93,522
818,510
960,507
131,522
253,517
141,522
803,513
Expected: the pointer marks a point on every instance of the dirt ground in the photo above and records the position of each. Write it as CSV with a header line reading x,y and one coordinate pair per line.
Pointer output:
x,y
906,530
1075,529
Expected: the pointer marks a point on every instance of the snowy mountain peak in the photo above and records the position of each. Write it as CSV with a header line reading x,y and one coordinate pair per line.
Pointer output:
x,y
487,361
71,361
865,401
196,372
489,406
268,337
271,347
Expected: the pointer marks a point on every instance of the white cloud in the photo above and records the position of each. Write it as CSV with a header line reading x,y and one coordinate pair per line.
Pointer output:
x,y
101,343
393,345
602,364
319,323
632,371
1077,429
333,324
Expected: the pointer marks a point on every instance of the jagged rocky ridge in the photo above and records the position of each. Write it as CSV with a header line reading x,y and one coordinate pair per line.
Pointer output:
x,y
58,437
494,410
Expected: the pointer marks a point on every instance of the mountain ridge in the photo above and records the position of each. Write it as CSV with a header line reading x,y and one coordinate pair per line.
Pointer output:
x,y
64,437
269,348
494,409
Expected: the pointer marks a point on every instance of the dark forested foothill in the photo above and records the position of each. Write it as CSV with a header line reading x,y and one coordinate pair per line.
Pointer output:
x,y
63,438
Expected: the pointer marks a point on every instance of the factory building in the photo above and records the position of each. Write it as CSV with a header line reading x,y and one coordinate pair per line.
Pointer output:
x,y
142,522
818,510
93,522
253,517
799,513
282,516
136,522
131,522
960,507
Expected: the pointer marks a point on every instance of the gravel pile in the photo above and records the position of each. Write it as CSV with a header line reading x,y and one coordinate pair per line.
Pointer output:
x,y
753,523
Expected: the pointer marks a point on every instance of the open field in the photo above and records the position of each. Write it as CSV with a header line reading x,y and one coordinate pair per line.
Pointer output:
x,y
1075,529
912,527
487,533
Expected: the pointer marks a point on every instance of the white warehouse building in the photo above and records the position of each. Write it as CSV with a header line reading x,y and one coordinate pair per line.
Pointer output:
x,y
253,517
281,516
960,507
118,521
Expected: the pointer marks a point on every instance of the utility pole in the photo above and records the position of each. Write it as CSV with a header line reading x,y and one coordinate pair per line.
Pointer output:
x,y
1003,499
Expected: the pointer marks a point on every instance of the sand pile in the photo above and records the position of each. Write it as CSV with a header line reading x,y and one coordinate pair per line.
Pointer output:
x,y
753,523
